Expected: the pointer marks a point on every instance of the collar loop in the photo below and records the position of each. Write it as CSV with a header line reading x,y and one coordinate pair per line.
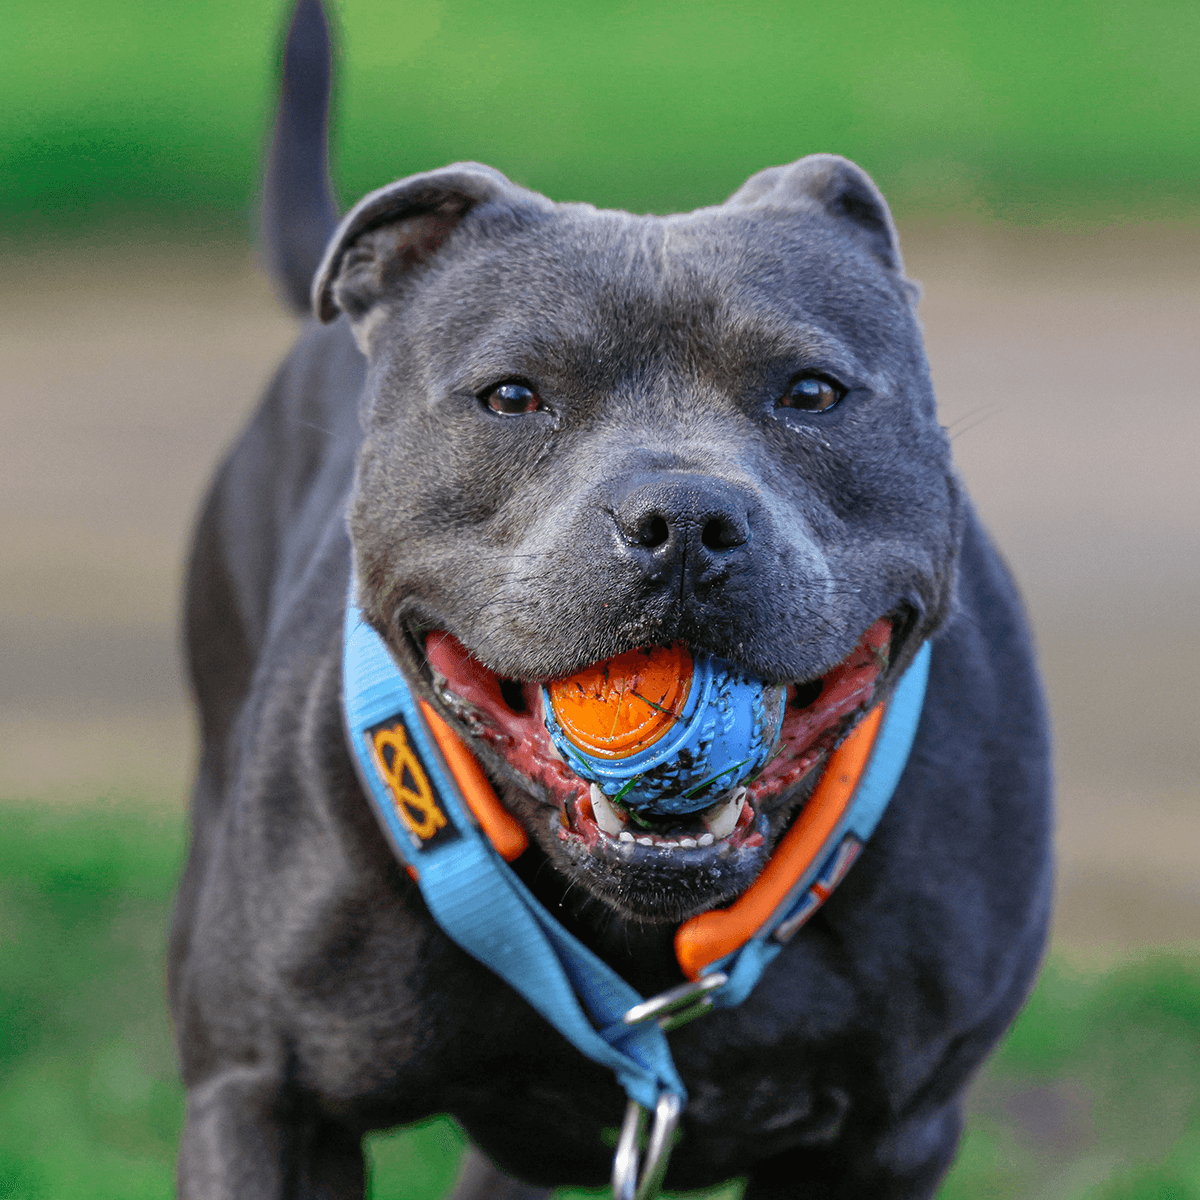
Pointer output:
x,y
445,824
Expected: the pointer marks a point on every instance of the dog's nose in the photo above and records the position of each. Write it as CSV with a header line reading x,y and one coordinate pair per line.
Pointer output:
x,y
673,523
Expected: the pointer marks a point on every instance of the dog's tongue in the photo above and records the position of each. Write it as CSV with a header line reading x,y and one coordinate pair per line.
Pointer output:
x,y
467,676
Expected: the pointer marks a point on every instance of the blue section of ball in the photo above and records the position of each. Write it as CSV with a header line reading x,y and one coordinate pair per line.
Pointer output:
x,y
724,736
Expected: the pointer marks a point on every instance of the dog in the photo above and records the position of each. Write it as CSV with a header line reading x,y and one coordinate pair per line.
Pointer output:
x,y
540,436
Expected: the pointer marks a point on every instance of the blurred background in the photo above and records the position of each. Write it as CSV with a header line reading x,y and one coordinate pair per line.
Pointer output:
x,y
1043,164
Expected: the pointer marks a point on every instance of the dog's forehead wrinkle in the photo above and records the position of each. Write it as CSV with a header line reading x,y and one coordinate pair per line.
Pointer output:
x,y
588,285
609,326
532,318
606,295
802,260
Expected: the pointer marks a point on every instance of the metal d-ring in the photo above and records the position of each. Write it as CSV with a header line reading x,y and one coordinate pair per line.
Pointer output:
x,y
634,1177
679,1005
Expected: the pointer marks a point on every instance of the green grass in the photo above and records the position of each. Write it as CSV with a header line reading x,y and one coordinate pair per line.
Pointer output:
x,y
1094,1096
1017,108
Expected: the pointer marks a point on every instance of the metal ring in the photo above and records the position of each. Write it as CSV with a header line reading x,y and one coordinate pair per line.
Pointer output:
x,y
634,1180
676,998
625,1161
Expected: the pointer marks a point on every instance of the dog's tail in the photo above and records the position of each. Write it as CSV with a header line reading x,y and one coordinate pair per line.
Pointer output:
x,y
298,210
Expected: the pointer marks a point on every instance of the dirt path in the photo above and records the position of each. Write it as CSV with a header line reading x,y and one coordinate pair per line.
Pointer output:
x,y
1066,364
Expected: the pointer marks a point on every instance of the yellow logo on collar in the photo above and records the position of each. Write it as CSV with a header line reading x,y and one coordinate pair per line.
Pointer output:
x,y
415,803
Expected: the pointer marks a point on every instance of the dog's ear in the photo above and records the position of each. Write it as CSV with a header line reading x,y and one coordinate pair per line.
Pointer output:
x,y
392,229
835,186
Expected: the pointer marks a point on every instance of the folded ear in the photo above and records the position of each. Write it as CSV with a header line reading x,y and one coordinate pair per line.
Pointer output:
x,y
835,186
392,229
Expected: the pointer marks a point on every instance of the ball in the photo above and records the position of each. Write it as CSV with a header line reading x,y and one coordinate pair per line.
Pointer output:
x,y
662,731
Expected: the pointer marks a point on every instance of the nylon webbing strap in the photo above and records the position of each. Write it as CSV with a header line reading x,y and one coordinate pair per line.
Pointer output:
x,y
472,893
482,905
874,790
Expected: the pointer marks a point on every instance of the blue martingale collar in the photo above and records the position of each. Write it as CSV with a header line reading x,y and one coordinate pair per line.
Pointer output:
x,y
481,904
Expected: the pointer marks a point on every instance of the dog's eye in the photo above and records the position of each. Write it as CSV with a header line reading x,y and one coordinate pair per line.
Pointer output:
x,y
511,399
811,393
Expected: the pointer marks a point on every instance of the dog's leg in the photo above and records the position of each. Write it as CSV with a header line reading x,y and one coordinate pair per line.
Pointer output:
x,y
481,1179
238,1142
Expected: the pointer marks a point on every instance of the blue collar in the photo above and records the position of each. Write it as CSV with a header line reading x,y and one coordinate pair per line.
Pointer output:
x,y
479,901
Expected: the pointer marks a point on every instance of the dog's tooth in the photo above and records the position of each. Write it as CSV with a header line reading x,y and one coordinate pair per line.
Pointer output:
x,y
705,839
722,819
607,817
645,841
688,843
626,836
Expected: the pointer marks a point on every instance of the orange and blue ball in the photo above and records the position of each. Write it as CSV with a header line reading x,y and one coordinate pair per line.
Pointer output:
x,y
662,731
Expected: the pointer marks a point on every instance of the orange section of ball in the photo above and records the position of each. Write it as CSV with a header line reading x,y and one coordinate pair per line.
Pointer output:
x,y
615,708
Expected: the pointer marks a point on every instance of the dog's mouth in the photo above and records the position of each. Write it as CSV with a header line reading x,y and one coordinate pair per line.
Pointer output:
x,y
655,865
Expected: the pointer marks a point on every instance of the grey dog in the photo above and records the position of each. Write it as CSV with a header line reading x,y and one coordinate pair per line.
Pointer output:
x,y
556,434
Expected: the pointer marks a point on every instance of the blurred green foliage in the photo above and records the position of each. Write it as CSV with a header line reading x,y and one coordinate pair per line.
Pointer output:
x,y
132,111
1095,1095
89,1102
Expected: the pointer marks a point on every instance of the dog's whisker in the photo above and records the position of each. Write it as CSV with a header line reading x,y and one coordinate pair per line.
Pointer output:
x,y
981,420
971,418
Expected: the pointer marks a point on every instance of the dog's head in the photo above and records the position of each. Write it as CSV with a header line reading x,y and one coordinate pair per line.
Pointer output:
x,y
588,432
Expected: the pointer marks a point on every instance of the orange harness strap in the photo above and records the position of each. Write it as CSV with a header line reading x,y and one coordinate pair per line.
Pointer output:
x,y
421,781
712,935
503,830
